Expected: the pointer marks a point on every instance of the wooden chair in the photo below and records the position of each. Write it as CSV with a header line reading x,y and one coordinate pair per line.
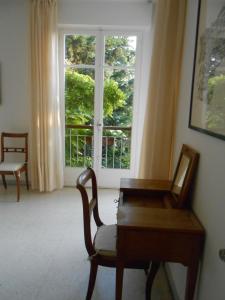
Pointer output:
x,y
102,248
14,168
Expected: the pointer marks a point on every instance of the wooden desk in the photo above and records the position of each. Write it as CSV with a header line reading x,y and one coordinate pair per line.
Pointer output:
x,y
157,234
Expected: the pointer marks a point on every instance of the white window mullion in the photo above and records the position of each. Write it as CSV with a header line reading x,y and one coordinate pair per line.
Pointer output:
x,y
79,66
119,68
136,107
101,92
98,102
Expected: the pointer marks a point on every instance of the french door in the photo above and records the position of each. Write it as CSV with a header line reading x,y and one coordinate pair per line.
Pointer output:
x,y
100,71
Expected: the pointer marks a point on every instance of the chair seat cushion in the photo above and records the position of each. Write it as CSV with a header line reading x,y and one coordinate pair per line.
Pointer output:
x,y
105,240
11,167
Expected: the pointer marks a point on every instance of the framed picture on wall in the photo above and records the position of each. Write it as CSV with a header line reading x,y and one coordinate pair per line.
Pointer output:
x,y
207,110
0,85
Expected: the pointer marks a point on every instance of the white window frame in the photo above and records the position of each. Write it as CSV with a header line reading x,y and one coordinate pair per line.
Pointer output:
x,y
137,102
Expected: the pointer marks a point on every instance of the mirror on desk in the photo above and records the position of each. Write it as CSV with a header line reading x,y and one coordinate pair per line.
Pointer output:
x,y
181,174
184,176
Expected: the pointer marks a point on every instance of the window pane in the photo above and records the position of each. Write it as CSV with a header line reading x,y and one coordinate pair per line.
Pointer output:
x,y
80,49
118,97
79,147
120,50
116,148
79,96
79,108
117,119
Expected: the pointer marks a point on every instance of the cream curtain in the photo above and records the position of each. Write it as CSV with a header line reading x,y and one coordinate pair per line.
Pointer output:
x,y
160,118
46,133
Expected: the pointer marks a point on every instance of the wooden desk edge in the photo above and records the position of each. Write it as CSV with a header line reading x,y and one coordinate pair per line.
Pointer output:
x,y
179,220
130,184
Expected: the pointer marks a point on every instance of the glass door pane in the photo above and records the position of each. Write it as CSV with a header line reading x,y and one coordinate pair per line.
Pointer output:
x,y
118,101
79,74
120,50
80,50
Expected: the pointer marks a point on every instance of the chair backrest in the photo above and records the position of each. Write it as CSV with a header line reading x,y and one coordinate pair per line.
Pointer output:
x,y
184,176
14,149
90,205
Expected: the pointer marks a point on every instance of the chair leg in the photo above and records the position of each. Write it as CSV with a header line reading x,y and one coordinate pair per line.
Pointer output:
x,y
151,276
17,174
92,278
119,281
4,181
27,181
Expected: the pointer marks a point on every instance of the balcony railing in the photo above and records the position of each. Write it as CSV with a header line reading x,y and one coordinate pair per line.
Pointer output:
x,y
116,143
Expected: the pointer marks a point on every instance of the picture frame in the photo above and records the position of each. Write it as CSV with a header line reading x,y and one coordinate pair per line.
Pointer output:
x,y
0,85
207,109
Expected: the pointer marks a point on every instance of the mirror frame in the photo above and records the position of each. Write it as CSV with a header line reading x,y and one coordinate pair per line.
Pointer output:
x,y
182,200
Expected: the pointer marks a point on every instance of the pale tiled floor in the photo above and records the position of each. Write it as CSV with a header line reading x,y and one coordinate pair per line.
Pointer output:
x,y
42,252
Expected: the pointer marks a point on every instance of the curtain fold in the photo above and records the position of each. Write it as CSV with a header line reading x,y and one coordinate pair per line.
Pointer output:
x,y
46,132
160,119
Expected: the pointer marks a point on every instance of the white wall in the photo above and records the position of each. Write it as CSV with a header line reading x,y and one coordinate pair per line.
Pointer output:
x,y
209,197
99,13
13,60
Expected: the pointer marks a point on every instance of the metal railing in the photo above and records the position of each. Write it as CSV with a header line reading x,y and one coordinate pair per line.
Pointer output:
x,y
116,144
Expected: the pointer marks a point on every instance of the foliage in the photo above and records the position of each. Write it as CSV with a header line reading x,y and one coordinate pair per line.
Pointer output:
x,y
79,96
118,51
80,49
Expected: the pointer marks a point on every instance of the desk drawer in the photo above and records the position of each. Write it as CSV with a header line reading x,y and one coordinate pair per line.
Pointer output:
x,y
154,245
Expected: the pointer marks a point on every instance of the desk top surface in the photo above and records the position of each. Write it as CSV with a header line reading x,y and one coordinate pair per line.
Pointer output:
x,y
144,184
159,219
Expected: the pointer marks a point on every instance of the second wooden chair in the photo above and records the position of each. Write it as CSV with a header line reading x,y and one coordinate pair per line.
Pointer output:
x,y
14,168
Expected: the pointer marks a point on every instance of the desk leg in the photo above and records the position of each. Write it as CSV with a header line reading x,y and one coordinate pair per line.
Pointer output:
x,y
151,276
192,273
119,280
